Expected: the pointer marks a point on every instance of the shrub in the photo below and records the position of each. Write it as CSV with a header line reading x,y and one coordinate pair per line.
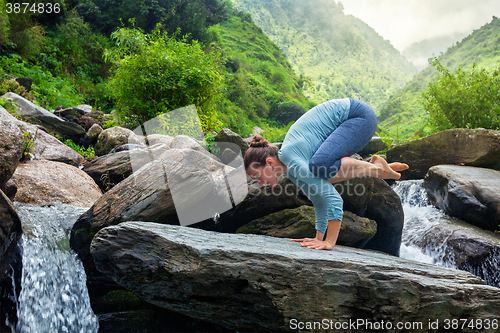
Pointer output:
x,y
465,99
154,74
13,86
285,112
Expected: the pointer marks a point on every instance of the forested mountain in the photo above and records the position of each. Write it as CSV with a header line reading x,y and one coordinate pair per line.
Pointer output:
x,y
342,55
259,81
403,113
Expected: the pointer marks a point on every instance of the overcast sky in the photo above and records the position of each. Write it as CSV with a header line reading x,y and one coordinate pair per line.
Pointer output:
x,y
404,22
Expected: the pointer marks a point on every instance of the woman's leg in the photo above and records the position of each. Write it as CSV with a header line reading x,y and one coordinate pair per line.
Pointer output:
x,y
349,138
377,168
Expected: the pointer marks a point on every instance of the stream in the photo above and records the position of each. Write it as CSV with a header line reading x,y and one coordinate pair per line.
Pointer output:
x,y
421,222
54,296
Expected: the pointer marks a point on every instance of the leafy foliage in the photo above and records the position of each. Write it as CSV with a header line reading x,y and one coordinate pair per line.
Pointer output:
x,y
466,99
49,91
275,133
285,112
154,73
86,153
192,17
12,86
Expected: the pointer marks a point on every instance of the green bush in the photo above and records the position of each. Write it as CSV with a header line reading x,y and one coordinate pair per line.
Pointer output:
x,y
13,86
466,99
285,112
86,153
154,74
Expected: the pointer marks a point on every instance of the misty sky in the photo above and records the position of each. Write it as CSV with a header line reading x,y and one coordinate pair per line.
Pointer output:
x,y
404,22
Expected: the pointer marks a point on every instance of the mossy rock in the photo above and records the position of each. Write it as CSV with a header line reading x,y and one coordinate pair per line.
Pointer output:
x,y
300,222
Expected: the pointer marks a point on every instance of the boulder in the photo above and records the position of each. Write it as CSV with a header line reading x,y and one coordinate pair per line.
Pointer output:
x,y
48,181
260,202
183,141
472,147
109,170
375,199
10,189
25,82
10,261
159,138
91,136
11,146
113,137
375,145
45,146
226,135
355,231
468,193
39,115
147,195
69,113
259,283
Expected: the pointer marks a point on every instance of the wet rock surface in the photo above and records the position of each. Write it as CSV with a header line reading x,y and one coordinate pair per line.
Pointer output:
x,y
468,193
260,283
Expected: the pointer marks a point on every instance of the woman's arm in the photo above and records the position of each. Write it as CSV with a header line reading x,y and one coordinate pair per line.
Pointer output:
x,y
318,243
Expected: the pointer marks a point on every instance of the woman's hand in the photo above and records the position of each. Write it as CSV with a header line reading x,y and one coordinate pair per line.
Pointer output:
x,y
313,243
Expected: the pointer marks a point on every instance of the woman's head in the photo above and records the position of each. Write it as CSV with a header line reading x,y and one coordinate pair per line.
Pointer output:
x,y
259,160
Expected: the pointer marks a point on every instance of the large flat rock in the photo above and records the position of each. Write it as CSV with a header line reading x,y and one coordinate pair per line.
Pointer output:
x,y
259,283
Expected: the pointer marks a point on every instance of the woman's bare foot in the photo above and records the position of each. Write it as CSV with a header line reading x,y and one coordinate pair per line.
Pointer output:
x,y
396,166
387,171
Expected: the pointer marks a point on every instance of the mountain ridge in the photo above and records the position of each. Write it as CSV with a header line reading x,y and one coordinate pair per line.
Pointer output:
x,y
342,55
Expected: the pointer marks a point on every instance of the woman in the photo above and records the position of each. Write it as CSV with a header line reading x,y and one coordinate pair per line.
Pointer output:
x,y
315,154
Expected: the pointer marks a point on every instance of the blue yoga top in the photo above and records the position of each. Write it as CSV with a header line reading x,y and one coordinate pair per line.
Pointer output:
x,y
301,142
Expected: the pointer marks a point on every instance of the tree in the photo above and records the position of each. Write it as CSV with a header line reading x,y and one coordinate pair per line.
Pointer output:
x,y
466,99
285,112
193,17
154,74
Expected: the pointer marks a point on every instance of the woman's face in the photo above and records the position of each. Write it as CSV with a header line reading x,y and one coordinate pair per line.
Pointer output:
x,y
263,174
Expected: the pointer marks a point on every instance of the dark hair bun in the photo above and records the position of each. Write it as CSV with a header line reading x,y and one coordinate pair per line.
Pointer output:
x,y
259,141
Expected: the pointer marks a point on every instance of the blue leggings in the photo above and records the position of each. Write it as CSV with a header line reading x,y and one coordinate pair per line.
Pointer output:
x,y
349,138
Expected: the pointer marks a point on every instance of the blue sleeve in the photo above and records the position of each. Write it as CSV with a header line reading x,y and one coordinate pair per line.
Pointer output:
x,y
328,204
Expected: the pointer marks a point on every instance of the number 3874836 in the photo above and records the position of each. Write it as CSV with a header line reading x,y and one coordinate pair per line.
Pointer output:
x,y
34,8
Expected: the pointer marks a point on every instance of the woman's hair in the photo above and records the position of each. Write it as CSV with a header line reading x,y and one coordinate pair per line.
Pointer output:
x,y
258,152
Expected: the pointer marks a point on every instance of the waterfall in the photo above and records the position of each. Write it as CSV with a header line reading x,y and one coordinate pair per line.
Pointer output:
x,y
54,296
425,240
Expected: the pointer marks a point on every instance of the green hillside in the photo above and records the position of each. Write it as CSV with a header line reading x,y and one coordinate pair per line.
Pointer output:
x,y
403,113
259,81
343,56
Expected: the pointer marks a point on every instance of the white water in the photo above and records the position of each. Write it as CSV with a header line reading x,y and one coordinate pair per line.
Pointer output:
x,y
421,222
54,296
419,216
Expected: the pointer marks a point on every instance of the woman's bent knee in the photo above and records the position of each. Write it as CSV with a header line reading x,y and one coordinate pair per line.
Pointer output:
x,y
322,170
